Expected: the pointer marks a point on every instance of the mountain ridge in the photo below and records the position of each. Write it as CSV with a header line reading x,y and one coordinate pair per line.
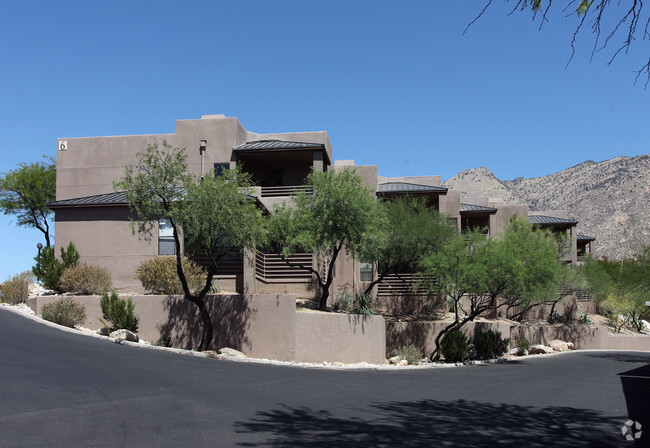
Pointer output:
x,y
609,199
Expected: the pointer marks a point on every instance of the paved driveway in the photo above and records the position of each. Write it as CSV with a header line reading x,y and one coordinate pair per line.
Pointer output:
x,y
59,389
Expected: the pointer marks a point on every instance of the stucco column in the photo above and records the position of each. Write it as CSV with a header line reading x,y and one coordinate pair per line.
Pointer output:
x,y
249,285
317,161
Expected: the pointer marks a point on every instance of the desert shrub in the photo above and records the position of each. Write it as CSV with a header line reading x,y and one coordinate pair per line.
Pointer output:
x,y
363,305
158,275
410,353
454,346
16,289
66,311
522,346
119,312
344,302
84,278
48,269
583,318
489,344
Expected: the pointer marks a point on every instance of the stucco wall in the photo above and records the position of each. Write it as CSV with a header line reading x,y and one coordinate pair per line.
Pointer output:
x,y
335,337
258,325
102,236
423,334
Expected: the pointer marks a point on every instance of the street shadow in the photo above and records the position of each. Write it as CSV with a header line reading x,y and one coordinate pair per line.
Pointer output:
x,y
434,423
231,316
621,357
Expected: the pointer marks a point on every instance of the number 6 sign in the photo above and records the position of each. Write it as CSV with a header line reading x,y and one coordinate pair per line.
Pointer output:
x,y
63,145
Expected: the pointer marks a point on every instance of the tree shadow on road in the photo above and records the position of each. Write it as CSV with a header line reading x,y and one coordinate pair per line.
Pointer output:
x,y
434,423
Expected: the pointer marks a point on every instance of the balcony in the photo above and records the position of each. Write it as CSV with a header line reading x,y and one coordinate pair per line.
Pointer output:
x,y
274,267
289,190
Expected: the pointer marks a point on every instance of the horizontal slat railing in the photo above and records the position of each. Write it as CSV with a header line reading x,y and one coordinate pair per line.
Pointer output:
x,y
404,285
230,264
272,266
290,190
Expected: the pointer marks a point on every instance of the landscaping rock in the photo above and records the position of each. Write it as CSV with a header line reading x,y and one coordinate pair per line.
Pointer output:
x,y
124,335
394,360
231,352
516,352
403,363
103,331
539,349
558,345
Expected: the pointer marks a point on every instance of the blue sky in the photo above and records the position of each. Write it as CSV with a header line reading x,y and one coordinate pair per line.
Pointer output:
x,y
394,84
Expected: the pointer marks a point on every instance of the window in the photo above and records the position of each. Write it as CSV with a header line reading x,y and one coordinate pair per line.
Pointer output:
x,y
166,244
366,271
220,168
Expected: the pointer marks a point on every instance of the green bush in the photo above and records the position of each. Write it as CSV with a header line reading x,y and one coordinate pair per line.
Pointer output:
x,y
489,344
410,353
344,302
454,346
84,278
16,289
48,269
522,346
158,275
66,311
363,305
118,312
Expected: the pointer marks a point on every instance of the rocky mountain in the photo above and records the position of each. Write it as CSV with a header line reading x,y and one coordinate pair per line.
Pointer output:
x,y
609,199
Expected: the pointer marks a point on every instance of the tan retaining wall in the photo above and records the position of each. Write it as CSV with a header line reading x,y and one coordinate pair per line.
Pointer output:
x,y
423,334
258,325
346,338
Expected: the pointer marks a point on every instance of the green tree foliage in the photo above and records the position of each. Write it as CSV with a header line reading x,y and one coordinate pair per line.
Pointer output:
x,y
412,230
25,192
476,273
48,268
621,288
340,215
119,312
210,213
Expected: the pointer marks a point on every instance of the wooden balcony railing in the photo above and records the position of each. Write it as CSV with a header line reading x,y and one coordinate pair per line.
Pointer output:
x,y
272,266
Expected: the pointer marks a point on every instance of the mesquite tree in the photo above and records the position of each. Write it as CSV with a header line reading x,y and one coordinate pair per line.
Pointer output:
x,y
205,213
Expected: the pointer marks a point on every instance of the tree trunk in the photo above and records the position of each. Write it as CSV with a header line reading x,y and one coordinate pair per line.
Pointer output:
x,y
206,337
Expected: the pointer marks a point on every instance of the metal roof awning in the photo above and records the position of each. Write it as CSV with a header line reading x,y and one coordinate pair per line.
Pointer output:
x,y
279,145
117,199
471,208
405,188
550,221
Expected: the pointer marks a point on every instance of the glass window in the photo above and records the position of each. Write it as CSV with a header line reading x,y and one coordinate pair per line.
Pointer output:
x,y
366,271
219,168
166,245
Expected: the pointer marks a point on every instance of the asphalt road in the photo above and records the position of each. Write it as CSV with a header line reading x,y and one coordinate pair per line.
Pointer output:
x,y
59,389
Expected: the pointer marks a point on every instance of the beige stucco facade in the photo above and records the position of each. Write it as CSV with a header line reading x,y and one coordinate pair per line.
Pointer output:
x,y
278,162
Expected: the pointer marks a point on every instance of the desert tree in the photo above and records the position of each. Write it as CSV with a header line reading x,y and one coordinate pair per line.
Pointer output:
x,y
339,214
413,230
205,214
25,192
477,273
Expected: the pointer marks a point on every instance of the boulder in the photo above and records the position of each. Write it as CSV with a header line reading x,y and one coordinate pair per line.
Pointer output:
x,y
539,349
403,363
103,331
231,352
394,360
558,345
516,352
124,335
